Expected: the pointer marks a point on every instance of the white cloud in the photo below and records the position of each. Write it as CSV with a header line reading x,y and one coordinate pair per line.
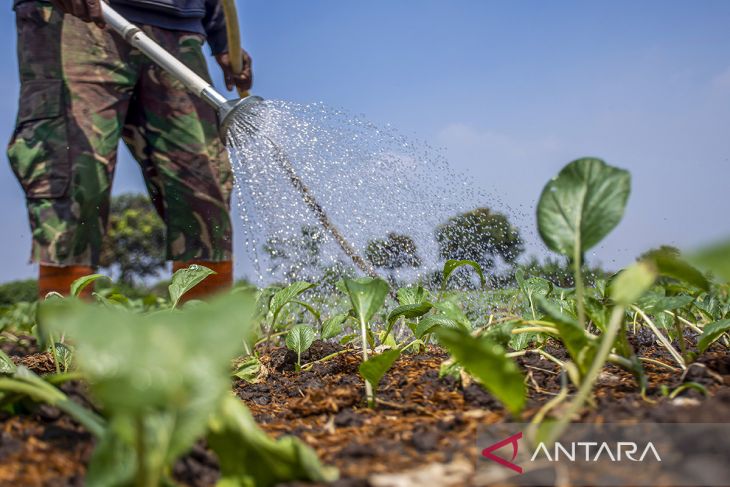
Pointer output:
x,y
466,142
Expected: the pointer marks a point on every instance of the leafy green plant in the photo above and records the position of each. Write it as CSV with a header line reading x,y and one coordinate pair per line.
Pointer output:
x,y
367,296
78,286
333,326
299,339
712,333
186,279
281,298
451,265
162,381
487,361
630,285
532,287
578,208
375,368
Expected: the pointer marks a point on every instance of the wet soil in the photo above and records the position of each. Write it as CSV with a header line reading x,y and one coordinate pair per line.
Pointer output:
x,y
424,425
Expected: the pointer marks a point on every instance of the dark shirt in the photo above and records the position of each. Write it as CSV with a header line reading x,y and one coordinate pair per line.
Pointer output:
x,y
200,16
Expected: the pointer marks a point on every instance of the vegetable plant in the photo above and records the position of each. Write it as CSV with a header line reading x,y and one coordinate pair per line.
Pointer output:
x,y
367,296
162,380
299,339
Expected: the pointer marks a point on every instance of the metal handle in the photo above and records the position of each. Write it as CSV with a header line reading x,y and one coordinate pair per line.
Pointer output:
x,y
137,38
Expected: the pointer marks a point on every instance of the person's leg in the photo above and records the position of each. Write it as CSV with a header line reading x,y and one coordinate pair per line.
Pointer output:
x,y
194,176
64,146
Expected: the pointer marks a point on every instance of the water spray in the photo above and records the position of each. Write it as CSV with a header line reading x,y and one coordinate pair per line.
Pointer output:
x,y
228,110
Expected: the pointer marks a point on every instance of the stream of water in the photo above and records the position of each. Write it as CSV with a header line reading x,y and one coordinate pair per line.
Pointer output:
x,y
386,194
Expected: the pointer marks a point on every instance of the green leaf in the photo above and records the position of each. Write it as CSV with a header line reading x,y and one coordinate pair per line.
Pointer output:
x,y
186,279
375,368
248,370
300,338
598,312
488,363
670,264
81,283
367,296
452,310
581,347
501,333
413,295
428,324
631,283
347,339
451,265
409,311
163,373
249,457
714,259
112,463
64,354
333,326
287,295
534,286
309,308
656,303
7,366
711,333
580,206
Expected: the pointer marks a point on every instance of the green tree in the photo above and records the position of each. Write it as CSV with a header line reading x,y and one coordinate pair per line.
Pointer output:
x,y
18,291
480,235
394,252
135,241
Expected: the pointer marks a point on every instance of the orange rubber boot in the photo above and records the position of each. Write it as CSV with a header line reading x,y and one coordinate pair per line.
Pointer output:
x,y
216,283
59,279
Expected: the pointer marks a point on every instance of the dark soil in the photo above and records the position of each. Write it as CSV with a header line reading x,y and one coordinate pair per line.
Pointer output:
x,y
421,420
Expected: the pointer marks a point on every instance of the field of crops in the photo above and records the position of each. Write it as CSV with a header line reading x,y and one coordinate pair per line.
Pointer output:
x,y
364,384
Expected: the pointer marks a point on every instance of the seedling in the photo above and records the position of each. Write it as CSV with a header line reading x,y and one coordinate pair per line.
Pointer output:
x,y
299,339
367,296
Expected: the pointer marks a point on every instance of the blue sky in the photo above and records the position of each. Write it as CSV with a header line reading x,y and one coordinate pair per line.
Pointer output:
x,y
512,90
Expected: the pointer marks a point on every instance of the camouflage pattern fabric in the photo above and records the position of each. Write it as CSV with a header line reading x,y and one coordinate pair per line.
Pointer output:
x,y
84,88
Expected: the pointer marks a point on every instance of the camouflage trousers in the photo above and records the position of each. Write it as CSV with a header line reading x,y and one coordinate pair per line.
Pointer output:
x,y
82,89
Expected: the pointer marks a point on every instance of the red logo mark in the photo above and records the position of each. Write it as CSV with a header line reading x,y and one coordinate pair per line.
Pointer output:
x,y
514,439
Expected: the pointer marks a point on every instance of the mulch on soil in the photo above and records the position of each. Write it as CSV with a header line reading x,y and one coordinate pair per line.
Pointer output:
x,y
421,421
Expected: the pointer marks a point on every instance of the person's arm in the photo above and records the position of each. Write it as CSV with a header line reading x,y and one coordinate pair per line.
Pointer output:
x,y
86,10
214,24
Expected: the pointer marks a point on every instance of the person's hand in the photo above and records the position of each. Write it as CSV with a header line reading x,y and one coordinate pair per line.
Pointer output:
x,y
86,10
243,81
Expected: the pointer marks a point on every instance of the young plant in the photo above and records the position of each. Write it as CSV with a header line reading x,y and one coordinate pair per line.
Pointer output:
x,y
451,265
533,287
578,208
284,297
299,339
375,368
487,361
333,326
367,296
163,381
186,279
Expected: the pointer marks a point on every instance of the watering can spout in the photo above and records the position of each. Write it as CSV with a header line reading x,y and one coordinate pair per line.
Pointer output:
x,y
228,110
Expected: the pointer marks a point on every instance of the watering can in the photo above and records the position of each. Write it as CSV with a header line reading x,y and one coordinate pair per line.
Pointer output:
x,y
226,109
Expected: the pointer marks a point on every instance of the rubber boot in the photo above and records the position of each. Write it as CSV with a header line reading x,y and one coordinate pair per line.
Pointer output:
x,y
59,279
216,283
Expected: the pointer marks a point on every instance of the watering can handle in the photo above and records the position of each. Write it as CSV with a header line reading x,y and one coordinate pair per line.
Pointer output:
x,y
234,39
